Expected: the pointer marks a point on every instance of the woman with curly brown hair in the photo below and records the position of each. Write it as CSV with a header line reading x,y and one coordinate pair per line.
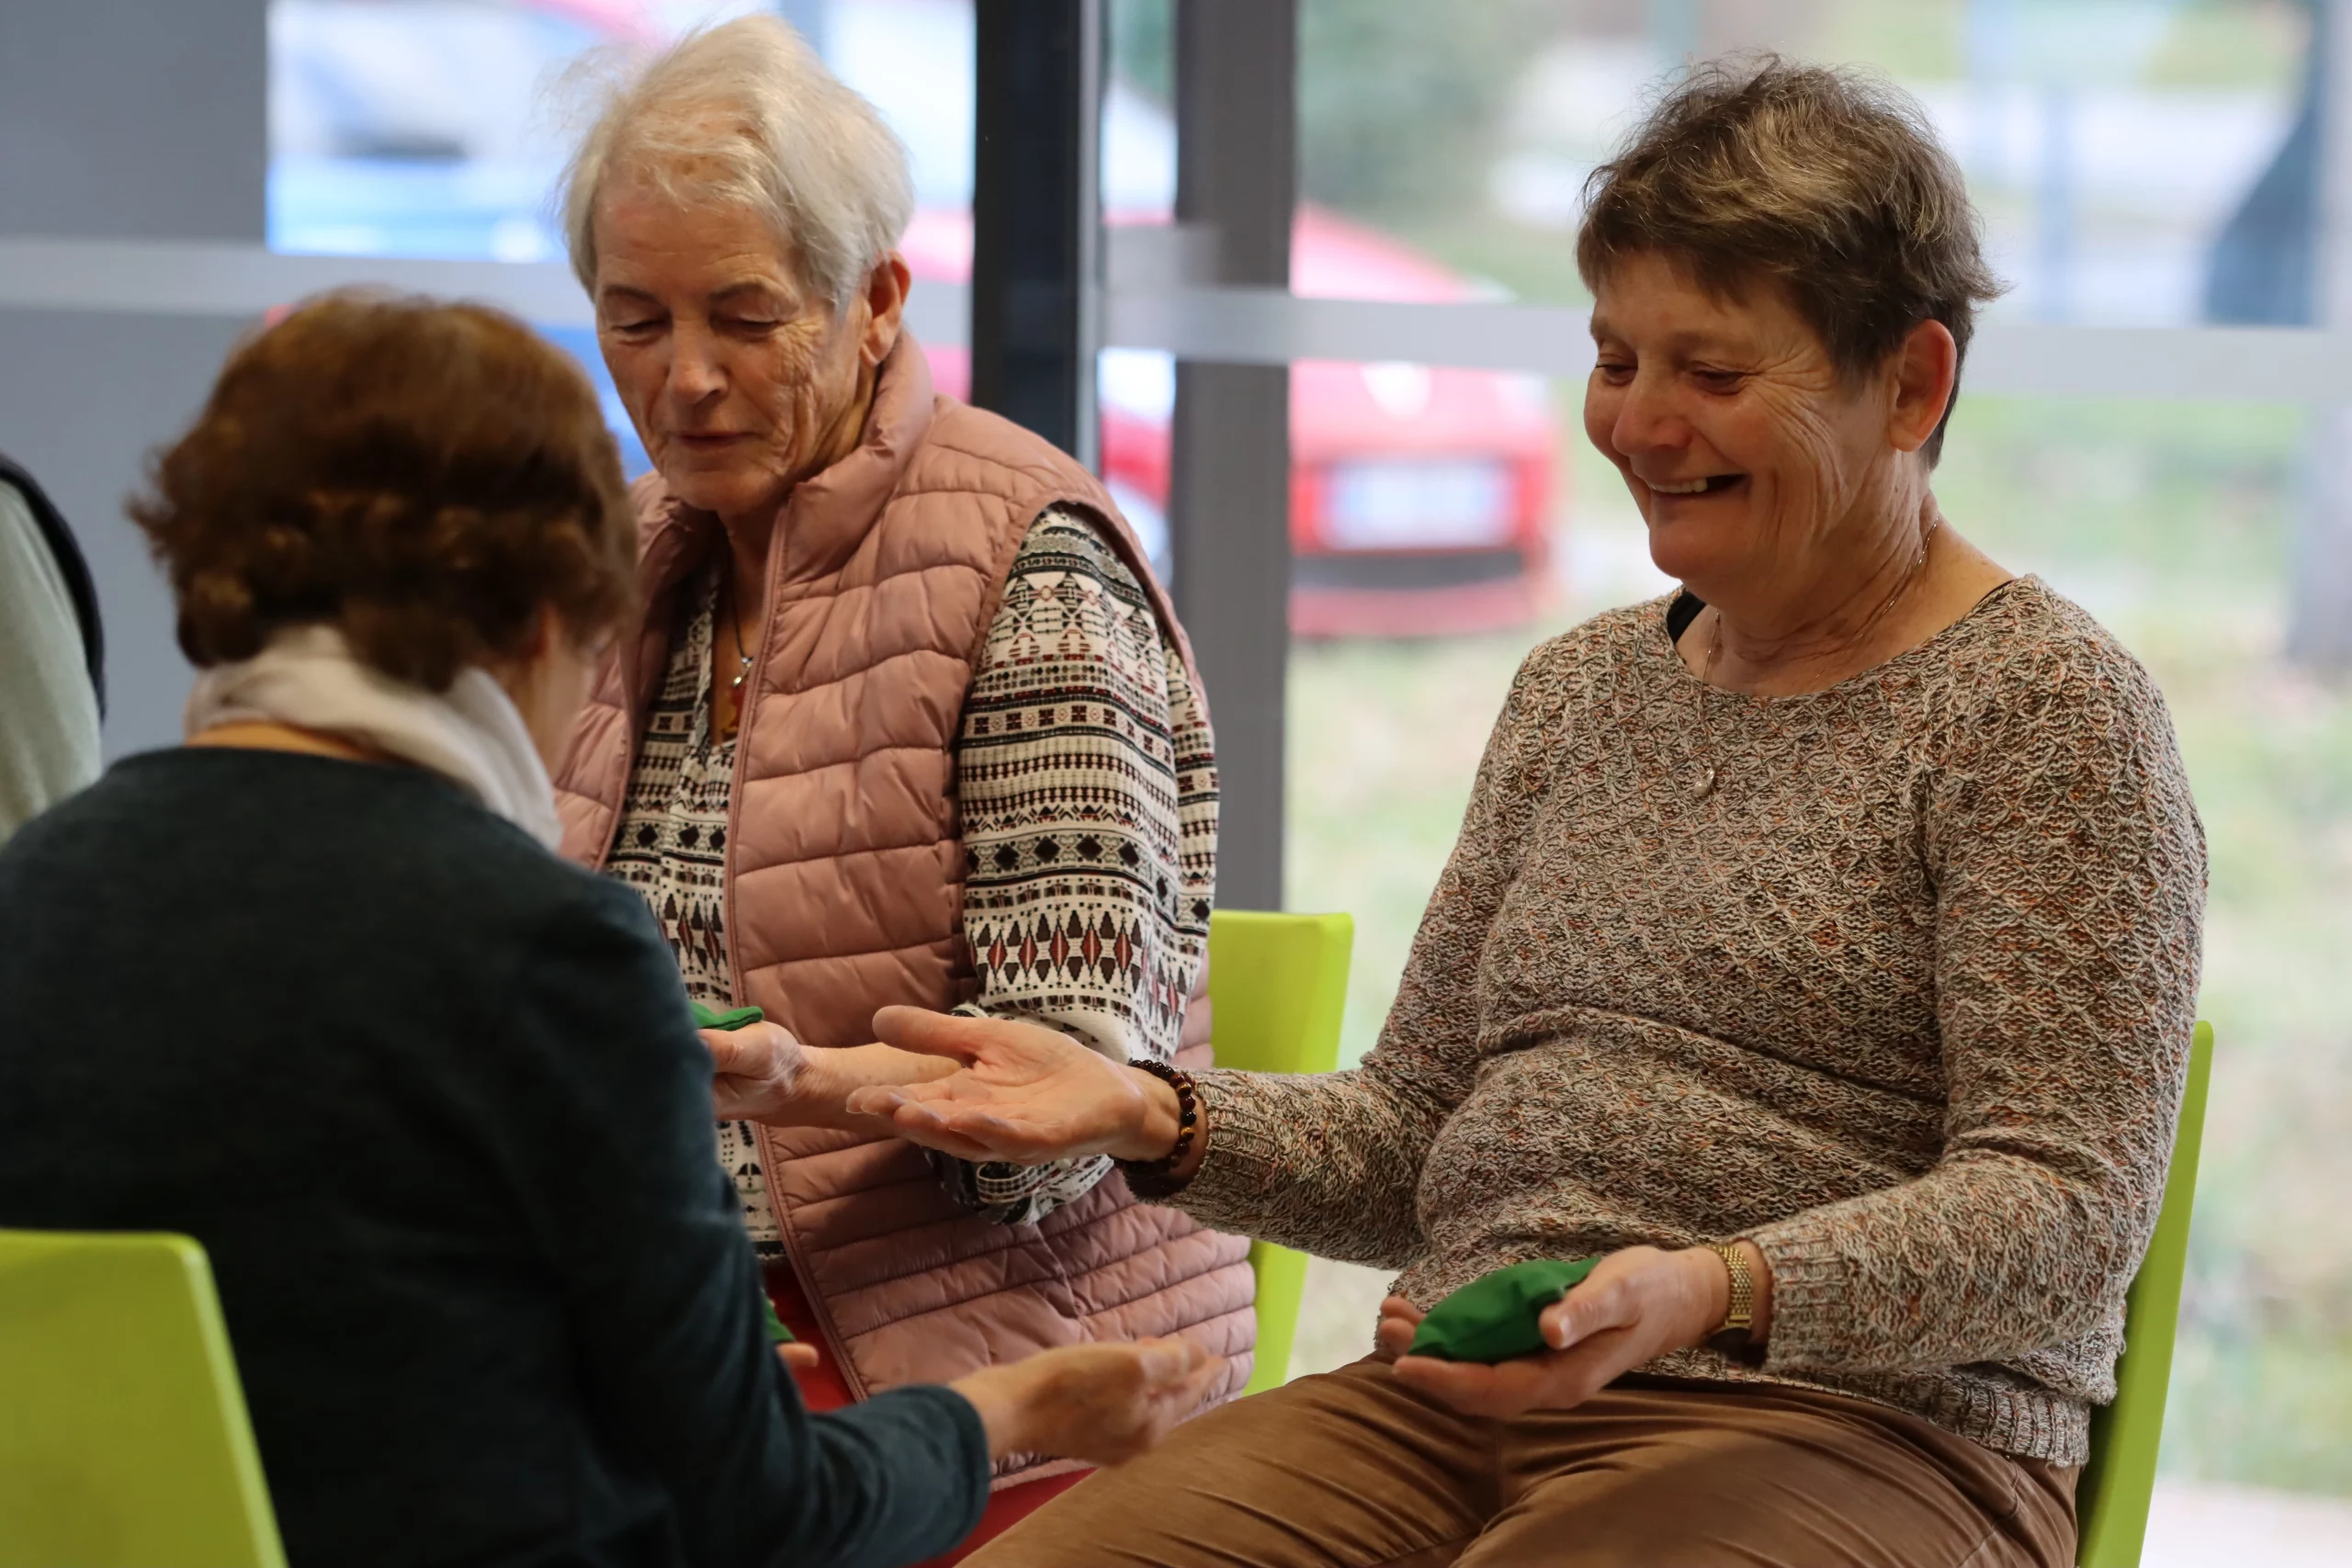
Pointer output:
x,y
315,990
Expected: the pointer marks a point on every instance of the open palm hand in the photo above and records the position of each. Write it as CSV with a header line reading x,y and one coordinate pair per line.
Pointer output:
x,y
1025,1094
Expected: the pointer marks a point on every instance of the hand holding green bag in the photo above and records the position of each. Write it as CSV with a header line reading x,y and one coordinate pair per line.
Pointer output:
x,y
705,1018
1500,1316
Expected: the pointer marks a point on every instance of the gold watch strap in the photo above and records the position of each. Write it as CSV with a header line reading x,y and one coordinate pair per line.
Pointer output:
x,y
1740,1316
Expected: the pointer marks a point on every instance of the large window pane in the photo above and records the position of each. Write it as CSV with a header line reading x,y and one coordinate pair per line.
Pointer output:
x,y
2138,163
2114,146
439,127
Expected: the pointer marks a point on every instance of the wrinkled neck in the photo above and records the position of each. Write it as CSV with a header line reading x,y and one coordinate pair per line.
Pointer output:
x,y
1831,627
752,536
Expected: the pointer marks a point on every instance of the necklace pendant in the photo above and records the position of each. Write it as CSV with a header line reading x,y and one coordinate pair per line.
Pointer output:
x,y
736,683
1704,785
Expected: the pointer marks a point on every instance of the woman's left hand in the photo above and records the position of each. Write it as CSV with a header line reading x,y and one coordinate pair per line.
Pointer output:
x,y
1637,1306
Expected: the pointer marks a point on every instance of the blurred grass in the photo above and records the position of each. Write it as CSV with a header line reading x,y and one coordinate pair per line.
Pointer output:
x,y
2173,525
2233,43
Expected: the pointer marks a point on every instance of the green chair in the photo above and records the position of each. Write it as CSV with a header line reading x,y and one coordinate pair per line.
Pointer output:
x,y
2112,1498
1279,985
123,1437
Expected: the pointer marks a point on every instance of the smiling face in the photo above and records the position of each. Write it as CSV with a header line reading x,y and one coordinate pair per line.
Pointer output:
x,y
1756,465
741,381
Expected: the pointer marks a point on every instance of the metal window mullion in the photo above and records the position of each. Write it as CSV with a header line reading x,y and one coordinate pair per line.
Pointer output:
x,y
1036,216
1229,473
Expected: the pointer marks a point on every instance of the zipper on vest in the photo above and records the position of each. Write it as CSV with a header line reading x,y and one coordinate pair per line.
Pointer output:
x,y
786,1232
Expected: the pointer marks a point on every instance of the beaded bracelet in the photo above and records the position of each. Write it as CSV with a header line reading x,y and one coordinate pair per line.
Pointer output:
x,y
1157,1177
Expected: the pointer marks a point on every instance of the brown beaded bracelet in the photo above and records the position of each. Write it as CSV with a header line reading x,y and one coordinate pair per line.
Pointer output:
x,y
1157,1177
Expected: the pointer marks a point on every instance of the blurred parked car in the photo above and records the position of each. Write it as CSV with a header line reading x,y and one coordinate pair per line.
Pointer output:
x,y
1421,498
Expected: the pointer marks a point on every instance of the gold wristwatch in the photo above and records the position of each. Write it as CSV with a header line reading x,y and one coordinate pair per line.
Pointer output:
x,y
1736,1335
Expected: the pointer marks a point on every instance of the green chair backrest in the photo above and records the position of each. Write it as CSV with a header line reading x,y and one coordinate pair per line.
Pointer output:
x,y
124,1442
2112,1498
1278,986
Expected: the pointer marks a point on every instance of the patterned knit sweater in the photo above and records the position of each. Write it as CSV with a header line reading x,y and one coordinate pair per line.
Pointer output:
x,y
1904,996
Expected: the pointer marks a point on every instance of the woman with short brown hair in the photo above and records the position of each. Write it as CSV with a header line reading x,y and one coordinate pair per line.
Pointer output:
x,y
313,989
1820,950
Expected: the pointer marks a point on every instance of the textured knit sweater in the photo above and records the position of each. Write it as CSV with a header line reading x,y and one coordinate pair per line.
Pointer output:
x,y
1903,994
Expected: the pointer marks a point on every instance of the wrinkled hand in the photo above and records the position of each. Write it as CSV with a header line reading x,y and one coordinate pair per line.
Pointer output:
x,y
1026,1094
1101,1403
1399,1321
760,1072
1637,1306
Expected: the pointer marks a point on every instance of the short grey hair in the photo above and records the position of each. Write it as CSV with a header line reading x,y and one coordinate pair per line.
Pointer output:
x,y
745,112
1830,182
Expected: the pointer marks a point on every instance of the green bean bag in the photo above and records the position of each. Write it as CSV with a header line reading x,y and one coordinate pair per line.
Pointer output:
x,y
1496,1318
705,1018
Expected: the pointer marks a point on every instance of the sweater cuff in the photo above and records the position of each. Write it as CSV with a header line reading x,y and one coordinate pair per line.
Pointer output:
x,y
977,1469
1244,1162
1812,1296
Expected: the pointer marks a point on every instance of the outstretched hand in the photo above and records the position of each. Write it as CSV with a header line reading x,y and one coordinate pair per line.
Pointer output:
x,y
1022,1094
760,1073
1101,1402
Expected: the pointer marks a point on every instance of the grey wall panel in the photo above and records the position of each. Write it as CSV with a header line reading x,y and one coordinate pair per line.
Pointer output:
x,y
83,397
1230,518
134,119
124,120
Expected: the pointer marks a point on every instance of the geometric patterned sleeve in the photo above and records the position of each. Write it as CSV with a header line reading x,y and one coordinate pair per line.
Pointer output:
x,y
1087,778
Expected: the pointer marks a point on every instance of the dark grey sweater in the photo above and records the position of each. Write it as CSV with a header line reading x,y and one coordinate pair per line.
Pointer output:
x,y
351,1033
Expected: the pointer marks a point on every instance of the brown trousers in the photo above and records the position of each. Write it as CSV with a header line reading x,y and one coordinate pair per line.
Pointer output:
x,y
1352,1470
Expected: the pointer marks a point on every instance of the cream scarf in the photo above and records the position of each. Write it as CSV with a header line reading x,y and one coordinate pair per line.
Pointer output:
x,y
471,735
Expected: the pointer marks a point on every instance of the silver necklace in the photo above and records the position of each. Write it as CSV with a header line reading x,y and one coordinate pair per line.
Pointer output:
x,y
735,618
1704,785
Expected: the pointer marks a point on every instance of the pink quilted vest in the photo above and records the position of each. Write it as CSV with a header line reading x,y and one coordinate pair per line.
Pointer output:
x,y
845,883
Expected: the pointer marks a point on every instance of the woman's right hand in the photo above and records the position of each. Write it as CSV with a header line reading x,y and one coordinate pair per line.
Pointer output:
x,y
762,1073
1104,1404
1023,1094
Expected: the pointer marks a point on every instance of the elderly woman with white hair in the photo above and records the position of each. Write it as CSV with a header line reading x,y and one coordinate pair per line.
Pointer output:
x,y
904,719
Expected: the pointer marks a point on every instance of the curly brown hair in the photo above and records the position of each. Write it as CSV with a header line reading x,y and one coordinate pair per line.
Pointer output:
x,y
426,477
1829,184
